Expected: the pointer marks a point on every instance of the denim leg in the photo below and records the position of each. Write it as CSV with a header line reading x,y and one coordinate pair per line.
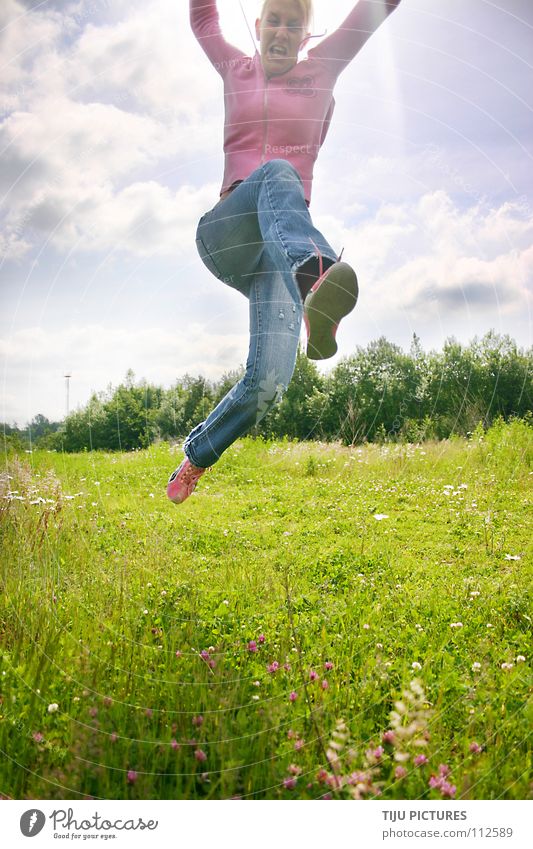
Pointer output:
x,y
275,321
266,212
255,241
284,219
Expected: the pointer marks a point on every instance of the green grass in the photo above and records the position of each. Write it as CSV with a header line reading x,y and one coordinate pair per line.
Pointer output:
x,y
105,580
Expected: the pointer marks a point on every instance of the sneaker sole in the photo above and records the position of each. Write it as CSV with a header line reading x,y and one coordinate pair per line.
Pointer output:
x,y
335,298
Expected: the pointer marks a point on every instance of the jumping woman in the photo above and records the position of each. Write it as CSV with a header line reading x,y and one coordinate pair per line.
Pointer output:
x,y
259,237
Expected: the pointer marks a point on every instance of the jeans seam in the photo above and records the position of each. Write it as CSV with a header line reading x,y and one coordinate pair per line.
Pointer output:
x,y
274,212
246,387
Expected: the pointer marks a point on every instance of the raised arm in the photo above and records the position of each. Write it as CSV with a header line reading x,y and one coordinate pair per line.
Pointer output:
x,y
206,27
341,46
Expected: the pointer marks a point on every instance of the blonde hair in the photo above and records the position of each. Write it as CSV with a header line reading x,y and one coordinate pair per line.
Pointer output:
x,y
305,5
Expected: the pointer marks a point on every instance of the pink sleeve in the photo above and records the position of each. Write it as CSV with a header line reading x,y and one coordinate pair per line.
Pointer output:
x,y
341,46
206,27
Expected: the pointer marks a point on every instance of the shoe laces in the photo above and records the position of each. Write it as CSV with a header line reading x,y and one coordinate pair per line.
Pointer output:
x,y
320,259
192,474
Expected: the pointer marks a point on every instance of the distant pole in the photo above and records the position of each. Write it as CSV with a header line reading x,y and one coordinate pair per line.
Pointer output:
x,y
67,379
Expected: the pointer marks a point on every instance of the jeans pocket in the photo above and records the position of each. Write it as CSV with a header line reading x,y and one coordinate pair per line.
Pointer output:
x,y
207,259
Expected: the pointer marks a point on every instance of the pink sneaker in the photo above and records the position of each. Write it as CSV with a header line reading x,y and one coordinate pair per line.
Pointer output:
x,y
182,482
333,296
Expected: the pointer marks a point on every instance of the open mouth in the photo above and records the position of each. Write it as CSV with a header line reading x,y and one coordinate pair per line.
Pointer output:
x,y
277,51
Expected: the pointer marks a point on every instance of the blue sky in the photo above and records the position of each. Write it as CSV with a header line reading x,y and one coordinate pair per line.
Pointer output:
x,y
111,138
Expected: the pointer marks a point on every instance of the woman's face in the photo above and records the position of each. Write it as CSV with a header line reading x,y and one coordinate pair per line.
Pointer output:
x,y
280,32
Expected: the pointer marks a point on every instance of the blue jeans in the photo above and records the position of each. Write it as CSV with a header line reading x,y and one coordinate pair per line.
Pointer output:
x,y
255,240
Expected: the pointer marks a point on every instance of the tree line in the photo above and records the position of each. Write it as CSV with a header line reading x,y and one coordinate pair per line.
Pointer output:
x,y
378,394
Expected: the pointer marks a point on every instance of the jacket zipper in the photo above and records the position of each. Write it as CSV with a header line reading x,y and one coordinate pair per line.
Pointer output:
x,y
265,119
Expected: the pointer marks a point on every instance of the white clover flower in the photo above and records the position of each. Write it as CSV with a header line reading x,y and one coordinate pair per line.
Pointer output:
x,y
380,516
416,665
512,557
53,707
476,666
507,666
520,659
456,624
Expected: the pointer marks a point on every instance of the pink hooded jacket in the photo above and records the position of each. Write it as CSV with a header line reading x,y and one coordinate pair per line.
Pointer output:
x,y
286,116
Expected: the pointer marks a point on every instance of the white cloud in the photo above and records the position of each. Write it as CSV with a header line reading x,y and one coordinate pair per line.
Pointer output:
x,y
429,253
35,360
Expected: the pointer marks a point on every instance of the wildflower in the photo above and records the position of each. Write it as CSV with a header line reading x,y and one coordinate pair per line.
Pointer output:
x,y
474,594
512,557
178,653
400,772
420,760
174,743
475,748
287,667
113,737
197,720
444,770
505,666
325,684
440,783
53,707
289,783
204,654
366,626
252,646
388,737
257,683
377,753
93,712
261,638
476,666
273,667
108,701
379,645
456,624
328,665
416,665
401,757
211,663
380,516
132,776
200,755
322,776
255,698
448,789
38,737
293,696
294,769
299,744
148,713
520,659
313,675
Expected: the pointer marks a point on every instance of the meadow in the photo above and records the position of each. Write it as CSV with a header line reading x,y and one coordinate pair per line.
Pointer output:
x,y
316,621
